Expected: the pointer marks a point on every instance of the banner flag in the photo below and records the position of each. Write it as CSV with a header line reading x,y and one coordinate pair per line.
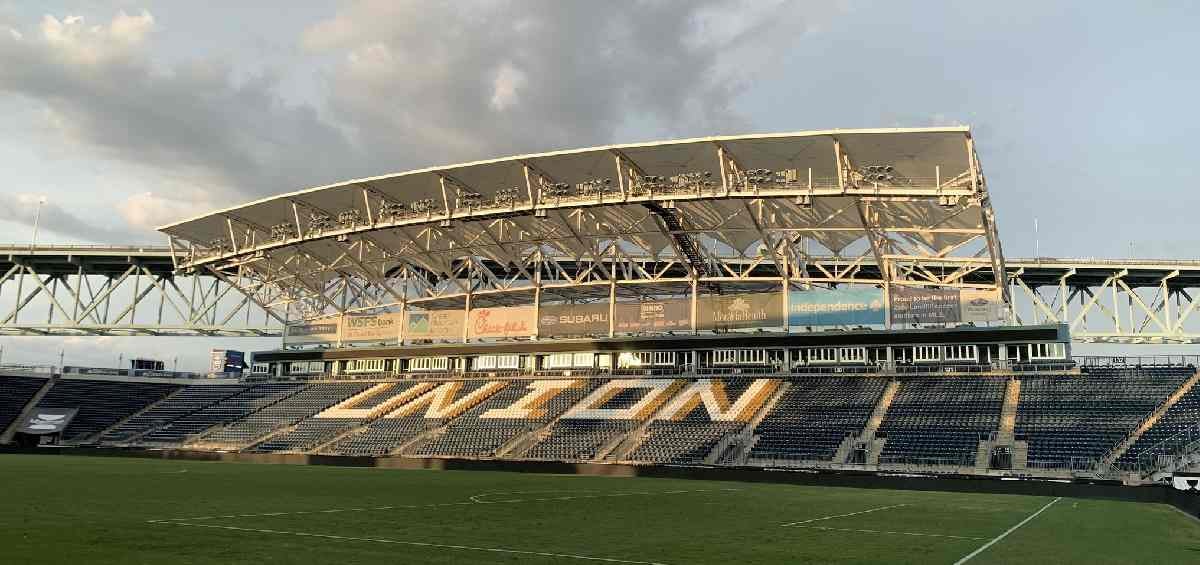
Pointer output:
x,y
513,321
567,320
836,307
312,332
925,305
739,311
434,324
1186,482
652,316
47,421
981,305
371,328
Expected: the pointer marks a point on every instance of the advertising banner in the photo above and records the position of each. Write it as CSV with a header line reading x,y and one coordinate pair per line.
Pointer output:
x,y
434,324
48,421
223,361
371,328
738,311
513,321
566,320
312,332
925,305
653,316
981,305
836,307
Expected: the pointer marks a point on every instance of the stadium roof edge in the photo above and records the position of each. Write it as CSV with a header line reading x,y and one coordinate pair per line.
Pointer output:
x,y
965,129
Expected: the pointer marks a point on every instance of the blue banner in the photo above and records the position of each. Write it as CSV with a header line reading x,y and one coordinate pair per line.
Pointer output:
x,y
836,307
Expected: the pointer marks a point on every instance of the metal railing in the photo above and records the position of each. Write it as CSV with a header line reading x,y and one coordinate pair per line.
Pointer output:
x,y
1133,361
1170,452
37,369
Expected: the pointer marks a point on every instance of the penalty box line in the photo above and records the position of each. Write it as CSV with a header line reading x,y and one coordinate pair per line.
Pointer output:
x,y
474,501
809,524
867,511
411,543
996,539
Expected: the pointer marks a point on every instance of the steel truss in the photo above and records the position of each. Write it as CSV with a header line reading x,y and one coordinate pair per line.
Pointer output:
x,y
127,291
688,233
1129,302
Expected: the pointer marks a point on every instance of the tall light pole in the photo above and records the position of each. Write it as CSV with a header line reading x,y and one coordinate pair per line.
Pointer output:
x,y
37,218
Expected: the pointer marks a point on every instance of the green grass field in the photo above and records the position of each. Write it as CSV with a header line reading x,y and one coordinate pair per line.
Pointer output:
x,y
65,510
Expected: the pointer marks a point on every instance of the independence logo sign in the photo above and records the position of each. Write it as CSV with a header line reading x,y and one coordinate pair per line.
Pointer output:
x,y
836,307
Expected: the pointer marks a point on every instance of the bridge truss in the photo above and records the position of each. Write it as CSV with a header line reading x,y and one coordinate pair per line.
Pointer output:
x,y
139,291
124,291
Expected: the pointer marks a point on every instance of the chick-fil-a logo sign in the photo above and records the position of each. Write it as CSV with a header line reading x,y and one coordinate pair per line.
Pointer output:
x,y
502,322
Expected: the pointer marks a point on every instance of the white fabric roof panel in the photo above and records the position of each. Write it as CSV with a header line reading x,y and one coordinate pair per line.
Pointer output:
x,y
914,153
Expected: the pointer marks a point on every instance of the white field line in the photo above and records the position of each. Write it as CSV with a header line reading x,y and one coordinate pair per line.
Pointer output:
x,y
868,511
411,543
1189,516
971,555
473,502
826,528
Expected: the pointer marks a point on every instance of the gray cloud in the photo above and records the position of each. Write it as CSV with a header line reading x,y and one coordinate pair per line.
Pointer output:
x,y
23,210
410,84
439,83
192,122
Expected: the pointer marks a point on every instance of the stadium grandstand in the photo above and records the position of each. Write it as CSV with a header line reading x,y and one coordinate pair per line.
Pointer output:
x,y
831,299
819,302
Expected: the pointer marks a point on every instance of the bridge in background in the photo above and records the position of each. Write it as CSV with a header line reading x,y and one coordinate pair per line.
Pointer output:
x,y
122,291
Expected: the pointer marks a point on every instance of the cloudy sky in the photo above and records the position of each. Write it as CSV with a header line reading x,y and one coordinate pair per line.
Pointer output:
x,y
127,115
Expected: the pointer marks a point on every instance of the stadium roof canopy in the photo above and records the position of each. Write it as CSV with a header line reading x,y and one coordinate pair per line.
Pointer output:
x,y
906,198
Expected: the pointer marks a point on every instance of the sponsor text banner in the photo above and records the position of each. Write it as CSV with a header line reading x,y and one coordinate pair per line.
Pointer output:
x,y
565,320
313,332
652,316
981,305
434,324
372,328
924,305
514,321
836,307
739,311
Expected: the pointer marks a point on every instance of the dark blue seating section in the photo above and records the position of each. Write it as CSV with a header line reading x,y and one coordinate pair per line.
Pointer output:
x,y
233,408
101,403
470,435
691,438
1068,421
940,420
304,403
385,435
312,432
1184,414
1071,422
183,402
15,393
572,439
815,415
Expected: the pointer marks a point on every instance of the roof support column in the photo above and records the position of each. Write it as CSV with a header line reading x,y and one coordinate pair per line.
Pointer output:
x,y
695,290
467,302
537,300
612,305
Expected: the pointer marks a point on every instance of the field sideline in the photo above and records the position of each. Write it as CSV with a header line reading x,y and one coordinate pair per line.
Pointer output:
x,y
60,509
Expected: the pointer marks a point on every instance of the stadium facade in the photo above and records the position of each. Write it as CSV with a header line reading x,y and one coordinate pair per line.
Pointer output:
x,y
833,299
